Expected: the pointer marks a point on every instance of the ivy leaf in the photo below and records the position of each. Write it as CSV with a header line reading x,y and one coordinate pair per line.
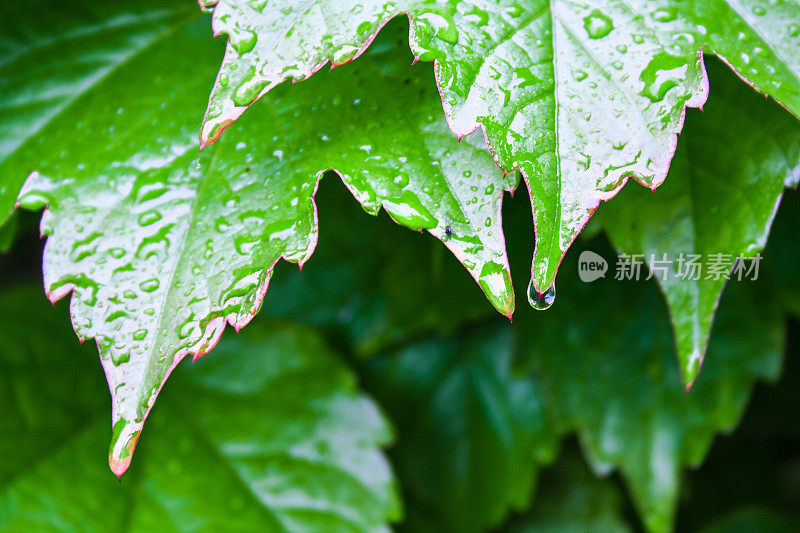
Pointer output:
x,y
54,54
579,96
271,432
720,198
162,247
472,434
612,378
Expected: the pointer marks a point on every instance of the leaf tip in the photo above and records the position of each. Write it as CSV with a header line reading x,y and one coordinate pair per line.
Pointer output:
x,y
691,369
119,467
123,441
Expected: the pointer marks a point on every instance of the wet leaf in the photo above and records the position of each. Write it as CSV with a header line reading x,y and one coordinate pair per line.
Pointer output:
x,y
161,245
270,435
579,96
472,434
717,204
52,54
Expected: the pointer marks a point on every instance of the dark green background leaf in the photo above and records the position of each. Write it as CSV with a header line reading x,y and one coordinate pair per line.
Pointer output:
x,y
270,435
722,192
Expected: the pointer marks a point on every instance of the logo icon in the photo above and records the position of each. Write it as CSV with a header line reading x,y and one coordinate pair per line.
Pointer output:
x,y
591,266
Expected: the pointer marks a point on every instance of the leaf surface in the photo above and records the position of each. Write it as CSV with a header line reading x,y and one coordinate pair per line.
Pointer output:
x,y
723,191
610,377
163,246
472,434
579,96
270,435
53,54
575,501
613,379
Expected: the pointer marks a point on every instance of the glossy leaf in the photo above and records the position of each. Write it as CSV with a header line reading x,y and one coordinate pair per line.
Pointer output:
x,y
579,96
613,379
720,198
163,246
472,434
268,436
52,54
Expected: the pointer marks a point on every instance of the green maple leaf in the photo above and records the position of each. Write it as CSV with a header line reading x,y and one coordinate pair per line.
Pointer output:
x,y
578,96
720,198
271,433
162,246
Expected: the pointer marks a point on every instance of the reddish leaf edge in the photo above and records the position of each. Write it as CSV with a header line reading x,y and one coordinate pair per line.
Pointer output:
x,y
539,283
121,452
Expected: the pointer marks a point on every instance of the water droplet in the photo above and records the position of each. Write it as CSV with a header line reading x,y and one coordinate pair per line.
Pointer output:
x,y
442,26
364,28
597,24
150,217
543,301
149,285
665,15
664,72
344,54
401,180
579,75
243,40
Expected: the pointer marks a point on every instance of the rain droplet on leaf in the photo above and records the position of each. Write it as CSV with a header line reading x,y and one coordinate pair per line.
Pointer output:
x,y
597,24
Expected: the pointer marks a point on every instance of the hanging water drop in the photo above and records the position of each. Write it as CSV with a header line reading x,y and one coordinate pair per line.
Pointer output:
x,y
543,301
